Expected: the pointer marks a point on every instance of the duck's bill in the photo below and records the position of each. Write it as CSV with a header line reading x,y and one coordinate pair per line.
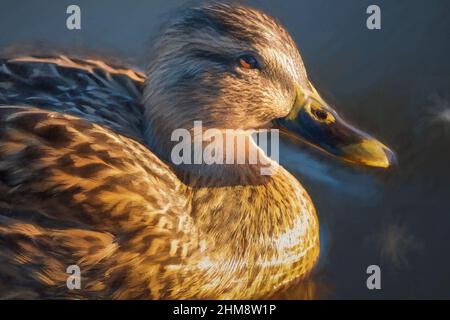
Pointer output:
x,y
313,121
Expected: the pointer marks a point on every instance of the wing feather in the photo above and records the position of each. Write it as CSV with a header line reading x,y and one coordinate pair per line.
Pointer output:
x,y
89,89
77,186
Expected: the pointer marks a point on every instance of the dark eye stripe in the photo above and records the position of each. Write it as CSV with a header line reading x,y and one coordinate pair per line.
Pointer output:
x,y
211,56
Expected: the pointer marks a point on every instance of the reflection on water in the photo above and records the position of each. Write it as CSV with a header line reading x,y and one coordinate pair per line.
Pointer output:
x,y
393,83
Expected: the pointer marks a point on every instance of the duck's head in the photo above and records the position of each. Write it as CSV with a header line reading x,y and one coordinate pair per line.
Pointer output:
x,y
234,67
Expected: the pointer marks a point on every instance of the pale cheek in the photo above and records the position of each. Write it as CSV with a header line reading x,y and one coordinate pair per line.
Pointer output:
x,y
254,101
281,100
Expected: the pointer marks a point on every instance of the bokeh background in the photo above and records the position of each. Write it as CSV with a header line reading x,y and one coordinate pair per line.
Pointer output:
x,y
393,82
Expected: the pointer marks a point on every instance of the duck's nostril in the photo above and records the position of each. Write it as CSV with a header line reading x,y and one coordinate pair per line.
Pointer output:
x,y
319,114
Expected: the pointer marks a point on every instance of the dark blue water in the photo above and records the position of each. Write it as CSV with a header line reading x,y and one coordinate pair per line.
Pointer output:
x,y
394,83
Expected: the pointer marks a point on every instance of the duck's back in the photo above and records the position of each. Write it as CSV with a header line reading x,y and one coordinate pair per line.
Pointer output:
x,y
77,185
86,88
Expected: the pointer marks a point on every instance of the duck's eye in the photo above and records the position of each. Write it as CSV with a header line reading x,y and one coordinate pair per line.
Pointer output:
x,y
319,114
248,61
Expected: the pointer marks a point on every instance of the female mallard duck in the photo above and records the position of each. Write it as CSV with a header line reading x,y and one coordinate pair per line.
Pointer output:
x,y
86,176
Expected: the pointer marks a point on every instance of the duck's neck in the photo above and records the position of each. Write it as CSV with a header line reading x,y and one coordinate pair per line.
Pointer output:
x,y
262,198
212,157
256,230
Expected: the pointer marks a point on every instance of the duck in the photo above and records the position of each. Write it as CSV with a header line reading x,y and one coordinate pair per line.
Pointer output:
x,y
87,178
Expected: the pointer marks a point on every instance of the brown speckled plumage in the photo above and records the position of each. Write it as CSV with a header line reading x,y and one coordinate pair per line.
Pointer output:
x,y
85,176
